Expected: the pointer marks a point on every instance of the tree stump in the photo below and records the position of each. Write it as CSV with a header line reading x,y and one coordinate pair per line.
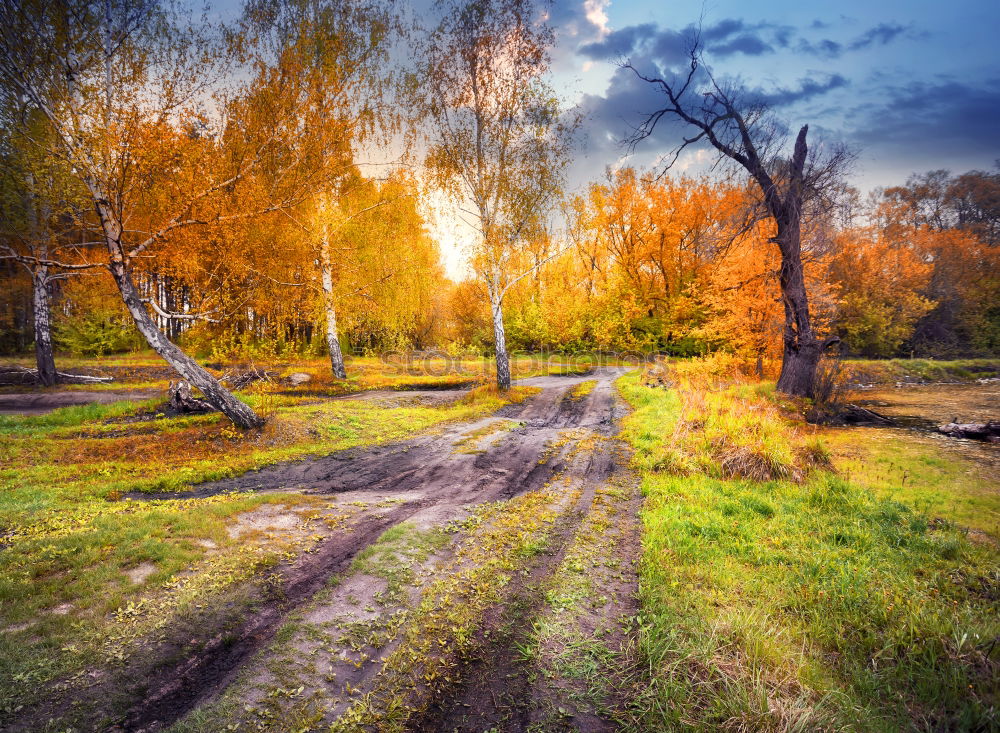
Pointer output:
x,y
181,400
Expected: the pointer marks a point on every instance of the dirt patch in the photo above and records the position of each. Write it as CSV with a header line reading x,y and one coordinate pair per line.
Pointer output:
x,y
41,403
268,517
140,572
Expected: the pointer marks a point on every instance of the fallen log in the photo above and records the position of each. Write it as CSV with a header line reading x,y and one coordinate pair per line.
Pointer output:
x,y
988,431
244,379
855,415
62,376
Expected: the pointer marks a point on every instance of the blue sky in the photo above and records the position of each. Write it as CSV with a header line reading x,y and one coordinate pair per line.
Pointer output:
x,y
912,86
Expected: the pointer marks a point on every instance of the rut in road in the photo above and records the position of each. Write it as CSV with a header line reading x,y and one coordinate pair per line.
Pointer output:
x,y
428,481
498,688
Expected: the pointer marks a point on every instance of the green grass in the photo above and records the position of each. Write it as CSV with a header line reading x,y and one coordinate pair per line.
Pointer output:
x,y
69,540
810,604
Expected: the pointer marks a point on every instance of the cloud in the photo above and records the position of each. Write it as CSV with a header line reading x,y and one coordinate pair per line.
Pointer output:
x,y
879,35
808,88
620,43
950,116
728,37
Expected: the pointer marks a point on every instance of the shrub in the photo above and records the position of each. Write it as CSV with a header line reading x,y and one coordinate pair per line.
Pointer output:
x,y
96,332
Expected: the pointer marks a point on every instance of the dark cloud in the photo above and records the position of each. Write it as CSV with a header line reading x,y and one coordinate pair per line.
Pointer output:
x,y
747,44
728,37
807,89
880,35
951,116
824,49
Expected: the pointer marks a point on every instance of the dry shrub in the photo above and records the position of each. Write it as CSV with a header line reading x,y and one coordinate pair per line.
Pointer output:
x,y
657,375
743,462
831,388
815,455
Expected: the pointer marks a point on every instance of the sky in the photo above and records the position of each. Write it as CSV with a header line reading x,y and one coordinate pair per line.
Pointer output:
x,y
909,85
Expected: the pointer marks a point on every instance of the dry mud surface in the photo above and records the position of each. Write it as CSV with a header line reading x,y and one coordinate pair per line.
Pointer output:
x,y
40,403
523,526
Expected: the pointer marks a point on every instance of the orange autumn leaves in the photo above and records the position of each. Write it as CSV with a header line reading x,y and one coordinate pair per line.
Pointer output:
x,y
678,265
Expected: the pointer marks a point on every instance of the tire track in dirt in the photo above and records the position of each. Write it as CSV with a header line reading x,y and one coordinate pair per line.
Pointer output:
x,y
432,480
497,690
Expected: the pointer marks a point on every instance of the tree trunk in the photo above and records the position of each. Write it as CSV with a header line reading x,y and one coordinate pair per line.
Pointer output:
x,y
43,327
215,394
802,351
500,339
332,342
798,369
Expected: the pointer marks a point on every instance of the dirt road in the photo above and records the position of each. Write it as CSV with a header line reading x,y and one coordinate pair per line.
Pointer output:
x,y
41,403
482,577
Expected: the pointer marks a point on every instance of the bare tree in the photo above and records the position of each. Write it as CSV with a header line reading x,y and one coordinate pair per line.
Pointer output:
x,y
744,132
499,141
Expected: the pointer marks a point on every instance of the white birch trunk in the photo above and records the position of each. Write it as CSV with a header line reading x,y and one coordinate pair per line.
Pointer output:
x,y
329,306
44,357
500,340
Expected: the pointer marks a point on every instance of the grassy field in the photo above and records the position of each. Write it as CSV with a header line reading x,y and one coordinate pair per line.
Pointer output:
x,y
75,557
783,589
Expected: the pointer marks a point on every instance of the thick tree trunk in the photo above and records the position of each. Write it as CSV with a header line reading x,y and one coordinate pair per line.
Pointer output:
x,y
500,340
215,394
332,342
44,357
798,369
801,351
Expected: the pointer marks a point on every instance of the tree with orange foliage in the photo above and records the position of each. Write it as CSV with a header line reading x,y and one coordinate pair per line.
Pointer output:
x,y
137,98
741,132
880,279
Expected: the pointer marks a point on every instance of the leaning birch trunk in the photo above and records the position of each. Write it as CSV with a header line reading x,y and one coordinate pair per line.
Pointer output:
x,y
215,394
44,357
332,342
500,339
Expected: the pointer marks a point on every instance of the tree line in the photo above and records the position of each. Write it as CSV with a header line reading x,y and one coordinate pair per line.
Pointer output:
x,y
202,187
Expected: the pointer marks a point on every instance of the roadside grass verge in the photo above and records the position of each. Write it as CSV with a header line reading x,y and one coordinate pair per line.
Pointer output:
x,y
69,542
804,600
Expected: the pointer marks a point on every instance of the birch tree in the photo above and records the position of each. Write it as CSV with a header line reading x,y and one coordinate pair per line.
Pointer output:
x,y
499,142
117,80
338,51
39,208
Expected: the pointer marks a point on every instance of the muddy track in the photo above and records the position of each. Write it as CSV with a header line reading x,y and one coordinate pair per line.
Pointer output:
x,y
199,676
432,478
497,690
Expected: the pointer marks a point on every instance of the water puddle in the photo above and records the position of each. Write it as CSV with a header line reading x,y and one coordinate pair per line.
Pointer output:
x,y
920,409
